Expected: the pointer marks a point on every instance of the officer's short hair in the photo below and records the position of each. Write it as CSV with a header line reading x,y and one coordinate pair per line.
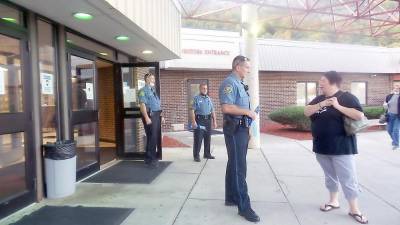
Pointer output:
x,y
238,60
203,84
147,75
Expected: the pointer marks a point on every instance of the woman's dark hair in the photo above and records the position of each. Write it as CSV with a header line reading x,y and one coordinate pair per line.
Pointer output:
x,y
333,78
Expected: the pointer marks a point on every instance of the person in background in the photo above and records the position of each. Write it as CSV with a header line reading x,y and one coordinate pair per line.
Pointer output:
x,y
335,150
202,114
392,105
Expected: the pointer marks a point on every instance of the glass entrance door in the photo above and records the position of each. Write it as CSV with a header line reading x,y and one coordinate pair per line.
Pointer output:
x,y
131,137
84,118
17,170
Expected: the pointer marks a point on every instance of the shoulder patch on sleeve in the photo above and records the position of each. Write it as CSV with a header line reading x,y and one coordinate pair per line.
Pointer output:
x,y
141,93
228,89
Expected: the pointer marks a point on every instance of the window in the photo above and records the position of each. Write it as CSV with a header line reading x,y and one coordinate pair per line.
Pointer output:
x,y
47,81
359,89
306,92
10,15
102,51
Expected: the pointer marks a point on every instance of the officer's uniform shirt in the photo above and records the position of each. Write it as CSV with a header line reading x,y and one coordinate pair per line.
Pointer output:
x,y
232,92
202,105
148,96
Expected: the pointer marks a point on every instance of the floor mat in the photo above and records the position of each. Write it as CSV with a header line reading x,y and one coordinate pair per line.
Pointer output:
x,y
79,215
126,172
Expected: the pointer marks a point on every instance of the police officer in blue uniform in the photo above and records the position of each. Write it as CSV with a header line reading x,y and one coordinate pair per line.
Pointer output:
x,y
235,104
202,114
150,108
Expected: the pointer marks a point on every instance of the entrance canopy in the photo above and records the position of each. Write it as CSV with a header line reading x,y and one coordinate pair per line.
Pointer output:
x,y
370,18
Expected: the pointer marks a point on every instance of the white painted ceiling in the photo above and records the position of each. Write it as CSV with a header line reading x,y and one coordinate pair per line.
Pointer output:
x,y
107,23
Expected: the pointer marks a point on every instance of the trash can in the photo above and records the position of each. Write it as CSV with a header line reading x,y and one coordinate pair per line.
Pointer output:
x,y
60,168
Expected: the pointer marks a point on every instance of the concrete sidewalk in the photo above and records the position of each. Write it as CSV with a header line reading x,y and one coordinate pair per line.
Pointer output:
x,y
285,182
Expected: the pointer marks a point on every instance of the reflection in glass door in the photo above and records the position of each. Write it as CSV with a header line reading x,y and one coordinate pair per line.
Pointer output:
x,y
16,171
84,114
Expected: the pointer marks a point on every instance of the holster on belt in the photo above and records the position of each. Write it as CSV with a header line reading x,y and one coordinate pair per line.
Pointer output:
x,y
230,124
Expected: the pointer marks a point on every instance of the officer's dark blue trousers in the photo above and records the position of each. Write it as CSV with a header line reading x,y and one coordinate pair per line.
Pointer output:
x,y
236,169
153,132
200,134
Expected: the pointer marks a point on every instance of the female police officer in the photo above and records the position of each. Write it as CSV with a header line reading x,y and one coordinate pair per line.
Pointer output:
x,y
235,104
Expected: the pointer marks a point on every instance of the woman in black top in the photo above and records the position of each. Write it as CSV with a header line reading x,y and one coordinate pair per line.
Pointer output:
x,y
334,149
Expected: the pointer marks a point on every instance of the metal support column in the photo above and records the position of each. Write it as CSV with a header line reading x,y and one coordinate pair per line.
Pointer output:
x,y
62,85
35,104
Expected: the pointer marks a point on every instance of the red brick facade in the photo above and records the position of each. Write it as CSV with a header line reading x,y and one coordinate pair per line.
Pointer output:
x,y
277,89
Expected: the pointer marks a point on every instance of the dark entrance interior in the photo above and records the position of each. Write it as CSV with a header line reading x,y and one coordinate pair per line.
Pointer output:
x,y
106,105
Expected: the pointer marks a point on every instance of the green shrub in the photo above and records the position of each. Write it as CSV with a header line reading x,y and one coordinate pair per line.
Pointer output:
x,y
373,112
292,116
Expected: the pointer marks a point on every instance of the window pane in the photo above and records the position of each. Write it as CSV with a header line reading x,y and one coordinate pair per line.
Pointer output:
x,y
12,165
129,87
301,92
9,14
359,89
311,91
122,58
85,137
10,75
101,50
82,75
47,81
134,136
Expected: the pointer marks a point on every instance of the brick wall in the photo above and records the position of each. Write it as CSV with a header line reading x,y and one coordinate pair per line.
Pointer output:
x,y
277,89
174,93
106,103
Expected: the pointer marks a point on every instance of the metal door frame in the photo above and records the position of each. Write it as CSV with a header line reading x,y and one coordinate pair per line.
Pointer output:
x,y
122,113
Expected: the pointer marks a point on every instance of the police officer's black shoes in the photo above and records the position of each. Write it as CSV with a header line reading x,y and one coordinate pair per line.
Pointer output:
x,y
197,159
230,203
153,164
250,215
209,157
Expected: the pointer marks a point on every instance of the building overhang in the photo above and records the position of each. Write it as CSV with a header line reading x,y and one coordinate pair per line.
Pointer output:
x,y
107,23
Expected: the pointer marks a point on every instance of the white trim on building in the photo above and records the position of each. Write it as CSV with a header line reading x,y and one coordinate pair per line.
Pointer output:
x,y
214,50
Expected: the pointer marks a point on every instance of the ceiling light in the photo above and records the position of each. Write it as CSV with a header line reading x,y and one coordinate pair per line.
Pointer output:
x,y
82,16
103,53
69,41
9,19
122,38
147,52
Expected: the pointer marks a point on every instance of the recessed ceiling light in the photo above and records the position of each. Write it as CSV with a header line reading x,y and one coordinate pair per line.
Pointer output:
x,y
69,41
122,38
147,52
103,53
82,16
9,19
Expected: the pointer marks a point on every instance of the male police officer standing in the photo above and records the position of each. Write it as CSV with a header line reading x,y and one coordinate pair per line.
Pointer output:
x,y
202,112
235,105
150,108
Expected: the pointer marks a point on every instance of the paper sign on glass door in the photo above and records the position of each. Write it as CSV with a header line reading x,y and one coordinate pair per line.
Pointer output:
x,y
47,83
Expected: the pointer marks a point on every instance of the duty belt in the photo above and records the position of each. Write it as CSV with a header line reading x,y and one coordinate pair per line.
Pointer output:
x,y
207,117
